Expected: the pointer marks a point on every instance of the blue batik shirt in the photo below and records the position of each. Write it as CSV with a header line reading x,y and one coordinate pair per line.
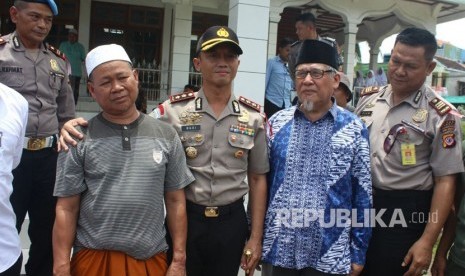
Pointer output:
x,y
278,83
319,174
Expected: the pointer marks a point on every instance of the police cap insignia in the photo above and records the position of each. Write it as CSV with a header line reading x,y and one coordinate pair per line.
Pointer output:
x,y
216,35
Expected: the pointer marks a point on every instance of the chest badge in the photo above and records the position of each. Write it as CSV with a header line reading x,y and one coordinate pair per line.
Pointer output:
x,y
54,65
244,118
420,116
191,152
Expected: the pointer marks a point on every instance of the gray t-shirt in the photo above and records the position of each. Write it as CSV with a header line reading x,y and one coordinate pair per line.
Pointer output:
x,y
122,173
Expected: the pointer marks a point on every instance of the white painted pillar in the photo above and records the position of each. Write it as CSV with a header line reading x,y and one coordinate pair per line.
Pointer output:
x,y
182,30
374,51
249,18
350,41
275,17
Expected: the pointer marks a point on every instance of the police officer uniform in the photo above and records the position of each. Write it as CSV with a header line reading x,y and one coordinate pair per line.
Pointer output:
x,y
411,143
220,151
42,79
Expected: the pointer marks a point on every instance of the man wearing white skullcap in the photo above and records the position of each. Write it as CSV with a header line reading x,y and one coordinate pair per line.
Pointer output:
x,y
112,185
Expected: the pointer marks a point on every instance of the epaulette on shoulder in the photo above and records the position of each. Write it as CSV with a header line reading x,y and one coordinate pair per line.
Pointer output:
x,y
181,97
57,52
441,107
2,41
369,90
249,103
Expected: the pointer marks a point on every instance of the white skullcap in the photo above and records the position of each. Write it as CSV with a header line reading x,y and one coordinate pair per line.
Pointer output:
x,y
105,53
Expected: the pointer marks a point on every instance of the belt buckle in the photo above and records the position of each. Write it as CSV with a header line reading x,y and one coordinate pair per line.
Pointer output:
x,y
212,212
36,143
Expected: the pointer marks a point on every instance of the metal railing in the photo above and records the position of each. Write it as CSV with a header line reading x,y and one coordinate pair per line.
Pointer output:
x,y
154,84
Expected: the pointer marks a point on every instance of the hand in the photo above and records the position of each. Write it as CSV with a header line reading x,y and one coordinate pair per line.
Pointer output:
x,y
249,263
419,258
62,270
68,131
439,266
176,269
356,269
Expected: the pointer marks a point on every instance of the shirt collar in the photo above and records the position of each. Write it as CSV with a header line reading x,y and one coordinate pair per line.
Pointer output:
x,y
233,107
413,99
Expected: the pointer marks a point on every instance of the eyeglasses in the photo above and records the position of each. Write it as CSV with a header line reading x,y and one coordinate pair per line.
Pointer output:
x,y
395,131
315,73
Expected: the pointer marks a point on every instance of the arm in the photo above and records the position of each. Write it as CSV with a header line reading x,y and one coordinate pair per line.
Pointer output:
x,y
177,225
257,201
64,233
448,233
69,131
269,68
419,255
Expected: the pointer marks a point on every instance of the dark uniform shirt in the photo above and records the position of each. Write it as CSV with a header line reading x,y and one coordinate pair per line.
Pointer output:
x,y
42,81
220,151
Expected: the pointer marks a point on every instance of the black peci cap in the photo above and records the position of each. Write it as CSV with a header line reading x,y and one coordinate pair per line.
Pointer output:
x,y
315,51
216,35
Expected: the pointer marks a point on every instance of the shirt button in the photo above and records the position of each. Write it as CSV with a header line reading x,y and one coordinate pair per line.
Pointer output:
x,y
218,124
383,130
215,146
126,139
374,154
125,127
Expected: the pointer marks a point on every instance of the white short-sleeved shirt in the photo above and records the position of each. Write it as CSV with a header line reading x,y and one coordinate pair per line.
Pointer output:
x,y
13,120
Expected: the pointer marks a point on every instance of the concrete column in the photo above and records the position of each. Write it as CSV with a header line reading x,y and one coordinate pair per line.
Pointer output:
x,y
273,33
374,51
180,61
84,38
249,18
350,40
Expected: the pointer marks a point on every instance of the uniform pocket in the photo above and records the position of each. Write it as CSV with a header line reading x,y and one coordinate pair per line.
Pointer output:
x,y
55,80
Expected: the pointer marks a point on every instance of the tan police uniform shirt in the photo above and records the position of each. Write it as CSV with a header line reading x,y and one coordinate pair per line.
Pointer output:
x,y
43,82
220,151
415,157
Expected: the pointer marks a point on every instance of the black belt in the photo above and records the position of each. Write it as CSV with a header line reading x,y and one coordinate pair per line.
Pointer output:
x,y
214,211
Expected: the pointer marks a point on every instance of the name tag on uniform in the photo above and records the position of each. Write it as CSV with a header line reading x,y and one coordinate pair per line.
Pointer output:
x,y
408,154
190,128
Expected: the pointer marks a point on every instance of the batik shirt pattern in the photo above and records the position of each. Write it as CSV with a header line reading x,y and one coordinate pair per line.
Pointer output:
x,y
317,168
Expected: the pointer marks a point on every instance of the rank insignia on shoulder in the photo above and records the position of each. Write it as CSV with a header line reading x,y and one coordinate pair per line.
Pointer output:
x,y
369,90
441,107
57,52
249,103
181,97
